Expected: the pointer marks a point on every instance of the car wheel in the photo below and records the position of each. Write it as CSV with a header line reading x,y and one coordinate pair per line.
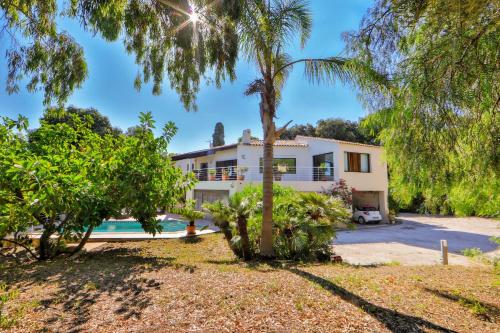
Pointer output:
x,y
361,220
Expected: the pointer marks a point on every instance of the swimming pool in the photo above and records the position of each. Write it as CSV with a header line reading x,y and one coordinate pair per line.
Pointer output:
x,y
134,226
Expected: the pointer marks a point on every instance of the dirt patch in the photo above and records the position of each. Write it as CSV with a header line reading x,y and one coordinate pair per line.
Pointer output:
x,y
171,285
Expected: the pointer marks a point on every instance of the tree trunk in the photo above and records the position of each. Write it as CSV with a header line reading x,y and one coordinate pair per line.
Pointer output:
x,y
45,249
266,240
83,241
245,242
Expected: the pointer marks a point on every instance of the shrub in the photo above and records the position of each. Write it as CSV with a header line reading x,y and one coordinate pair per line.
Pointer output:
x,y
304,223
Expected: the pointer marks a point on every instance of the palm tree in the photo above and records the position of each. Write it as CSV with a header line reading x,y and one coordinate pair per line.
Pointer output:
x,y
266,29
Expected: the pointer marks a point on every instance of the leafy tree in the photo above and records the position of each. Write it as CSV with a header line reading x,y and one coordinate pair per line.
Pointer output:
x,y
185,40
69,179
440,121
100,123
218,136
291,132
161,33
331,128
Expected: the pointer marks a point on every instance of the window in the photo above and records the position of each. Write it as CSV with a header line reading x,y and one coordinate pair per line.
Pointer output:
x,y
229,166
323,167
356,162
283,165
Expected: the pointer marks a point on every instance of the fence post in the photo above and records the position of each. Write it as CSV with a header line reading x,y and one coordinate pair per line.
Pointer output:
x,y
444,252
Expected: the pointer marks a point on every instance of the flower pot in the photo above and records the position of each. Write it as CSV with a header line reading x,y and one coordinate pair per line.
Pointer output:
x,y
225,177
191,229
277,177
211,178
241,177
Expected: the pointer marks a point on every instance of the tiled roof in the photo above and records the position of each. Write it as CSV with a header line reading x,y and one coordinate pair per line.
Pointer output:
x,y
338,141
280,143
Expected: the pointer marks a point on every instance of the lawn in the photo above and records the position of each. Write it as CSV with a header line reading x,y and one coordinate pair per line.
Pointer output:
x,y
171,285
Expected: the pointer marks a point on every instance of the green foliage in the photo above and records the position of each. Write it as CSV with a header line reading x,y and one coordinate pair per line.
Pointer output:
x,y
331,128
99,123
218,136
189,212
472,252
157,32
68,179
440,122
303,222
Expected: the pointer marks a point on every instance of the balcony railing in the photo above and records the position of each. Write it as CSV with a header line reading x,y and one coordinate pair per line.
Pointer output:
x,y
255,174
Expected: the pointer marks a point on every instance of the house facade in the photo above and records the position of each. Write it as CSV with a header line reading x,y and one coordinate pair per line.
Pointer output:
x,y
307,164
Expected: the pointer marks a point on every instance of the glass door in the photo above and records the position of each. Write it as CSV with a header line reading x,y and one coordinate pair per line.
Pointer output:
x,y
323,167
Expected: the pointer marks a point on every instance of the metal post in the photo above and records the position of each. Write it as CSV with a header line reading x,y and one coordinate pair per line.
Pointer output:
x,y
444,252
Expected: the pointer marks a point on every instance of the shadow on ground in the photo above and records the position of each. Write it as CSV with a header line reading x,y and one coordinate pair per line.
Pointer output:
x,y
485,311
111,272
419,234
393,320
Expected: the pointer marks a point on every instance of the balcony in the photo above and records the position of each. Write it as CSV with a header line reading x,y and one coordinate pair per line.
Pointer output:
x,y
255,174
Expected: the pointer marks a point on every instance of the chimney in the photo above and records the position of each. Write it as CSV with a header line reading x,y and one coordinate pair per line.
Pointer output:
x,y
246,137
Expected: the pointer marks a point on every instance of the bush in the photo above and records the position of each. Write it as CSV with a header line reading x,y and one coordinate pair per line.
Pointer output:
x,y
304,223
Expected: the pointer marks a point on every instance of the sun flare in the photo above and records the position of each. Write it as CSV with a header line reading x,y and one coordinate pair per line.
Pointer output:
x,y
194,17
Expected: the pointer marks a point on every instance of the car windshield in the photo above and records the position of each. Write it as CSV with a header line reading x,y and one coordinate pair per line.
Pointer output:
x,y
369,209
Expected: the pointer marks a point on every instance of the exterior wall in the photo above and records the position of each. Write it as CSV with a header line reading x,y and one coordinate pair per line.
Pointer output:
x,y
249,156
375,180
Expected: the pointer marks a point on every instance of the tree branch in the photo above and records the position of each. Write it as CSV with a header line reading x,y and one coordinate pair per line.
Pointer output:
x,y
21,245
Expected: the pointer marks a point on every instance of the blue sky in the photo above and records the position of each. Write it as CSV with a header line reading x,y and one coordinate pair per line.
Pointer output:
x,y
109,86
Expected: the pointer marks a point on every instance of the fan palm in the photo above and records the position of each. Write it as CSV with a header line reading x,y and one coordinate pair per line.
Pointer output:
x,y
266,29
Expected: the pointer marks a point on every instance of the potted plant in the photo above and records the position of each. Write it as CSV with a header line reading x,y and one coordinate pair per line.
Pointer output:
x,y
189,212
225,174
211,174
241,173
280,170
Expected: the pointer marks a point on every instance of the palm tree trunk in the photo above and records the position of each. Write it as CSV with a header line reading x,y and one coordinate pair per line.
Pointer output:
x,y
245,242
266,240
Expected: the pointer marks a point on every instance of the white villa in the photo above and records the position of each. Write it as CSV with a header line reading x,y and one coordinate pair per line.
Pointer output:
x,y
307,164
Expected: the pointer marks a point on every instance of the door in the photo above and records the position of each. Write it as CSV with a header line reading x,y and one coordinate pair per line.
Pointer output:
x,y
323,167
203,173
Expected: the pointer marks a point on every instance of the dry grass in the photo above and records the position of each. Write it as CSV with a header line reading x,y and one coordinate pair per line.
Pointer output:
x,y
174,286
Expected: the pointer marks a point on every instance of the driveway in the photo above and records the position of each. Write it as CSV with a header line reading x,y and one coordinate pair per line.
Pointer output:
x,y
416,241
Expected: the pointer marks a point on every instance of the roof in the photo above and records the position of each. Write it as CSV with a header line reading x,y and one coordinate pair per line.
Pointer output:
x,y
280,143
203,152
337,141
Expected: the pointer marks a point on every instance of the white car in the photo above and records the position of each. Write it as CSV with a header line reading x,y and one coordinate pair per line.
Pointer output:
x,y
366,214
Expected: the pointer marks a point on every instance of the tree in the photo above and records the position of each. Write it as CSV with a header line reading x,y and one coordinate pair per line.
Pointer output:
x,y
68,179
161,33
440,122
100,124
331,128
266,30
218,136
291,132
184,39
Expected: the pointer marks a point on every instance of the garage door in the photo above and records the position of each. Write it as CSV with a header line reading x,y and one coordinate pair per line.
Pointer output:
x,y
202,196
365,199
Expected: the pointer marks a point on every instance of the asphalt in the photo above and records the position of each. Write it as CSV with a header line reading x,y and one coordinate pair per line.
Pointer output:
x,y
416,241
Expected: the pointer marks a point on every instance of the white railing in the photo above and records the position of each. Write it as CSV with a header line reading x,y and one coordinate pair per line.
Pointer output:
x,y
255,174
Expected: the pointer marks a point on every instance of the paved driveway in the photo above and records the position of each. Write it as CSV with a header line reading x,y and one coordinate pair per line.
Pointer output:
x,y
416,241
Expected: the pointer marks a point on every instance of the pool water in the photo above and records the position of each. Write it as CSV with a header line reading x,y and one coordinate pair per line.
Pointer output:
x,y
134,226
